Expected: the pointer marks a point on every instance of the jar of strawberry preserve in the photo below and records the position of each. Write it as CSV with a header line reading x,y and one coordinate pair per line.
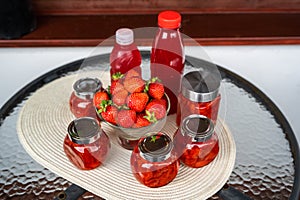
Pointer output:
x,y
153,161
81,99
196,141
86,144
199,95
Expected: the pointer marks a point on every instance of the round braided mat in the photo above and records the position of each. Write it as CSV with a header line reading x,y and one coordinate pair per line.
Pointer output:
x,y
42,127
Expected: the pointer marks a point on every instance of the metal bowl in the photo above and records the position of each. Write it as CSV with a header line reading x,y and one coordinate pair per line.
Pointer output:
x,y
133,134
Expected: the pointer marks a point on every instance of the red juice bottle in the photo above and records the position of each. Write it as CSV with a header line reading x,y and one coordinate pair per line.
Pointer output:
x,y
167,55
125,54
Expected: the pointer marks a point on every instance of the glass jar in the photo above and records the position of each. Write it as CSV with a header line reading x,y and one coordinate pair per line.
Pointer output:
x,y
86,144
199,95
153,161
81,99
196,142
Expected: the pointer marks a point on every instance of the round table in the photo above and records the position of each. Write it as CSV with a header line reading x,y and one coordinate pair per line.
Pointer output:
x,y
267,161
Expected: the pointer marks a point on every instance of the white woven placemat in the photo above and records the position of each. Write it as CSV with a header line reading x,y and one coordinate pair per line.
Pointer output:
x,y
42,127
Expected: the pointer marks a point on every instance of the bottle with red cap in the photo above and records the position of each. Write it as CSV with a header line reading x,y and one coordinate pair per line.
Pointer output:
x,y
167,55
125,54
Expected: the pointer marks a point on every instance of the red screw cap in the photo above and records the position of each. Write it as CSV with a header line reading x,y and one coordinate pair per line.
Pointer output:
x,y
169,19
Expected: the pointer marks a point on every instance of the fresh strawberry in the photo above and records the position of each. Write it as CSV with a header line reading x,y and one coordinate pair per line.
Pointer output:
x,y
132,73
134,84
126,118
141,121
119,98
137,101
115,87
157,108
155,89
108,112
98,97
161,101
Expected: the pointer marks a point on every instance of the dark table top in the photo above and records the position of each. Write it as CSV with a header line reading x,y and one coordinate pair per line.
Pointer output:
x,y
267,160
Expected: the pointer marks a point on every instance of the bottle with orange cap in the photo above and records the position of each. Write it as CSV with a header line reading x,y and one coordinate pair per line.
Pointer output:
x,y
167,55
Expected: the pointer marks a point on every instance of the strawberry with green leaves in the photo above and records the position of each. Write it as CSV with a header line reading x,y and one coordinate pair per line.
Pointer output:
x,y
141,121
99,97
154,88
126,118
144,119
158,109
137,101
108,111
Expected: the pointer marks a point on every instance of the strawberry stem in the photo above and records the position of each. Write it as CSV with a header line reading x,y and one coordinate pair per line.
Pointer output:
x,y
122,107
117,75
103,105
153,138
155,79
150,116
152,80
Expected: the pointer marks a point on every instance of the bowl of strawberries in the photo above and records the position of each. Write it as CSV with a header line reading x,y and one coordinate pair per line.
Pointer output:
x,y
132,106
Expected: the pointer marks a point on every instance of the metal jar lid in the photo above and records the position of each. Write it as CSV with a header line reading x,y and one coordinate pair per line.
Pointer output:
x,y
199,127
200,86
156,147
84,130
85,88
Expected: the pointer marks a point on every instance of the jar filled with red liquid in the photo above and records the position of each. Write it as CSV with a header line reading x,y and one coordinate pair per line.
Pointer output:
x,y
81,99
199,95
125,54
196,142
153,161
167,55
86,144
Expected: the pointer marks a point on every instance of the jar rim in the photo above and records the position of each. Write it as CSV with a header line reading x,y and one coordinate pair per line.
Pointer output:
x,y
159,154
84,130
200,86
205,128
85,88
